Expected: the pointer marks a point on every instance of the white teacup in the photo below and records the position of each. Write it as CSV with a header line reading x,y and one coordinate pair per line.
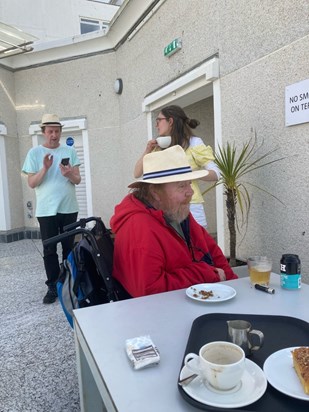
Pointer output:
x,y
164,141
221,364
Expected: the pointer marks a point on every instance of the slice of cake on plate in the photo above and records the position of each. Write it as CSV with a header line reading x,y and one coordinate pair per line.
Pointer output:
x,y
301,366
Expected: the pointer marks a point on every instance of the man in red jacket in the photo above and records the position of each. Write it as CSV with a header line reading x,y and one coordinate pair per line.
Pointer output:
x,y
159,246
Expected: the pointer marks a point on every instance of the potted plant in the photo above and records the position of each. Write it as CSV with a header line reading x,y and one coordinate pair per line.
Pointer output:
x,y
234,164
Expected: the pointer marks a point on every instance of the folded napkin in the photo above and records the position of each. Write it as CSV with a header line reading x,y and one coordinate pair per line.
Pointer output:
x,y
142,352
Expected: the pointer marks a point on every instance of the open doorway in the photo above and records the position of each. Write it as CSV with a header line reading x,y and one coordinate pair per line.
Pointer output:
x,y
198,93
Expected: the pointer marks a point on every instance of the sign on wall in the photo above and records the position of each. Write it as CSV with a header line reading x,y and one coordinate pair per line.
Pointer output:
x,y
172,47
297,103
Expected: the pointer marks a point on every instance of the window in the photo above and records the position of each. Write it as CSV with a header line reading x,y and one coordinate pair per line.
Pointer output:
x,y
89,25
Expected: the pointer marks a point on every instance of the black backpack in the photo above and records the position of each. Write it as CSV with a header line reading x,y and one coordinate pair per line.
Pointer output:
x,y
86,275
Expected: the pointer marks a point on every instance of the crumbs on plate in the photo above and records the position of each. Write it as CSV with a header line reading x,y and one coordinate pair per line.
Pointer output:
x,y
202,294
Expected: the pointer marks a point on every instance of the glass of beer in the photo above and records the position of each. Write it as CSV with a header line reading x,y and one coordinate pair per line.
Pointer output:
x,y
259,269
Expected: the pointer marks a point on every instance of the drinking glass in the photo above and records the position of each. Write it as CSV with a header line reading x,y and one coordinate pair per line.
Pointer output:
x,y
259,269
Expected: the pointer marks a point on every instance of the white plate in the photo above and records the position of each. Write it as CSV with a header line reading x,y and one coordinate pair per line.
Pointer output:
x,y
252,387
280,373
220,292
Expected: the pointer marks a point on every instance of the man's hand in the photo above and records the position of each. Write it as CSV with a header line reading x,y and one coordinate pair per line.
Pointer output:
x,y
66,170
48,161
71,173
221,274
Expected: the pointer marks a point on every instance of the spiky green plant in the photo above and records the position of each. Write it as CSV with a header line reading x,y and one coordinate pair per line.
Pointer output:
x,y
234,164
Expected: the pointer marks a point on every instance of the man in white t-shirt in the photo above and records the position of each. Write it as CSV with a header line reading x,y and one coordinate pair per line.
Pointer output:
x,y
53,171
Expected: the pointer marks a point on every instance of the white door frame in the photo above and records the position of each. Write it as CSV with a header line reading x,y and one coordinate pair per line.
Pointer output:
x,y
198,84
5,214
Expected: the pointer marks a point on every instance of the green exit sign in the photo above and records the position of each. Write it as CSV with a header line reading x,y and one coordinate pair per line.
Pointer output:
x,y
171,48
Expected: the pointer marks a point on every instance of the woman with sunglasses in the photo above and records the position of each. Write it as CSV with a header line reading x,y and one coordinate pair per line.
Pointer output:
x,y
173,121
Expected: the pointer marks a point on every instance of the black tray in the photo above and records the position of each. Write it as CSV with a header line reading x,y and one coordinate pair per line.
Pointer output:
x,y
279,332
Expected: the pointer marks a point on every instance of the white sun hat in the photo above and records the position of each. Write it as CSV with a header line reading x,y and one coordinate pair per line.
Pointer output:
x,y
50,120
167,166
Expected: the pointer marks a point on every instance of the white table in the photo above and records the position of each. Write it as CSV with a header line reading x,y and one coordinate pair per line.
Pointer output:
x,y
105,374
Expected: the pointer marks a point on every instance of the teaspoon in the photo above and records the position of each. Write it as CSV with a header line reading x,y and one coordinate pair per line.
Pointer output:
x,y
187,380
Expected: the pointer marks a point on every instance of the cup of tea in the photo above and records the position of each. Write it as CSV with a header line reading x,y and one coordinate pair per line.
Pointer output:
x,y
259,269
164,141
241,333
220,364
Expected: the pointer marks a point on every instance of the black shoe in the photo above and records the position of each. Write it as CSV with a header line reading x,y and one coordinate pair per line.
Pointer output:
x,y
51,295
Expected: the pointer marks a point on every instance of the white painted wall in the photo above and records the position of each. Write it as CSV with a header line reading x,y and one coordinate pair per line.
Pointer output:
x,y
261,48
52,19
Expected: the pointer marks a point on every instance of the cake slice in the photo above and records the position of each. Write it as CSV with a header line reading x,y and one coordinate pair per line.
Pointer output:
x,y
301,366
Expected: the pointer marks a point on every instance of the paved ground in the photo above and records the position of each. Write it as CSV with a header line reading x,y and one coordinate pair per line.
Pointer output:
x,y
37,354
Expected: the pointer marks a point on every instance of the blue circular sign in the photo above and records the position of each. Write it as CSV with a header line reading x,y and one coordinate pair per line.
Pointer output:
x,y
70,141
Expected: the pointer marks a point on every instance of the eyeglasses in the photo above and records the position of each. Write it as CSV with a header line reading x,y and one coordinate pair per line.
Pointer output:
x,y
158,119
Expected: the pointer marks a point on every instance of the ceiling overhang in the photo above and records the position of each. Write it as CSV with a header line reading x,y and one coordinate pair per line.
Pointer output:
x,y
14,41
186,89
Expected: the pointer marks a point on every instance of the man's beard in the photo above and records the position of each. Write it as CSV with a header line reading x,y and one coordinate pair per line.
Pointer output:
x,y
178,215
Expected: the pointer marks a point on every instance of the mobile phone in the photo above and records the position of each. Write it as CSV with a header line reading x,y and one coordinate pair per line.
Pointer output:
x,y
65,161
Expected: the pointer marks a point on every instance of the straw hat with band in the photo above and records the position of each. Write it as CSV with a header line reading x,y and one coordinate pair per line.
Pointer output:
x,y
167,166
50,120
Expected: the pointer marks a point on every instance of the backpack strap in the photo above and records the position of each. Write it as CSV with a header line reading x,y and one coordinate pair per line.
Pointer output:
x,y
80,265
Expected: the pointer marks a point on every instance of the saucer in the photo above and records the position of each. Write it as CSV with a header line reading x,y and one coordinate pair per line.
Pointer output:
x,y
220,293
251,388
280,373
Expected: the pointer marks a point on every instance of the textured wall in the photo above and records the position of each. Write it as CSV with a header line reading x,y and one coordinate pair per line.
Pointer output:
x,y
253,98
79,88
262,48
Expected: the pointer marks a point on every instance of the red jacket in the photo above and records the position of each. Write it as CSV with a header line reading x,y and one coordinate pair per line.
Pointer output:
x,y
151,257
